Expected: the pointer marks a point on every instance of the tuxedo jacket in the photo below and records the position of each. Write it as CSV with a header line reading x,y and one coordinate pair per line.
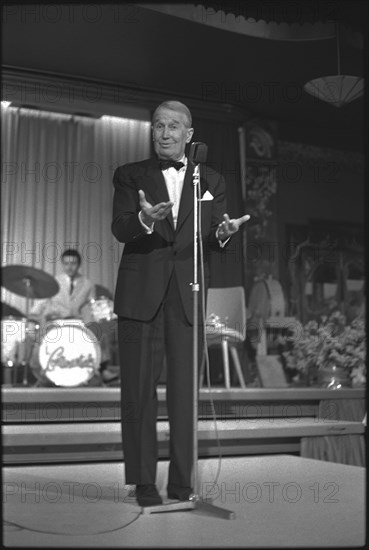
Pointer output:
x,y
148,260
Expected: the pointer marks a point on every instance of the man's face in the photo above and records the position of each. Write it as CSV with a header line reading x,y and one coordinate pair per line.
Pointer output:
x,y
70,265
170,134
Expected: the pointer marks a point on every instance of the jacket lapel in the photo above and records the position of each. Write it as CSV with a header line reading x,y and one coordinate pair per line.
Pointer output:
x,y
186,204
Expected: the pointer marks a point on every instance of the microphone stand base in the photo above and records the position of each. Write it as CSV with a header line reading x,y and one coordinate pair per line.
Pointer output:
x,y
168,507
211,509
195,503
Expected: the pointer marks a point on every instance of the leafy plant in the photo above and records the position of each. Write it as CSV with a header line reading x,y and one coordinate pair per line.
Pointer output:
x,y
330,342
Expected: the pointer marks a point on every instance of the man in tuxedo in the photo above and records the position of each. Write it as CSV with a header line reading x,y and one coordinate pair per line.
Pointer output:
x,y
153,216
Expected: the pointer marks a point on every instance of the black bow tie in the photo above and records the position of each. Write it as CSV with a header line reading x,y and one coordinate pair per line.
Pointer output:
x,y
164,164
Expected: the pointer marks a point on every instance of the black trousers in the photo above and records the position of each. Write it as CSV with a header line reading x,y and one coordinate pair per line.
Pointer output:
x,y
142,346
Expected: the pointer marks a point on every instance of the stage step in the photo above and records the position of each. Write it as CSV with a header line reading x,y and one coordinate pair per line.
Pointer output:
x,y
54,425
27,443
34,405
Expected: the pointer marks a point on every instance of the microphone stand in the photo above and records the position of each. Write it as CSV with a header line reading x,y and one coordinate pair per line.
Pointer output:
x,y
195,501
199,503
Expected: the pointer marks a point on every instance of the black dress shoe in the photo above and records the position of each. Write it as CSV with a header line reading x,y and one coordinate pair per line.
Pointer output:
x,y
179,493
147,495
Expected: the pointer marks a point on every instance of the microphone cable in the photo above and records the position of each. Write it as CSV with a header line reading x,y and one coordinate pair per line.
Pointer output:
x,y
15,526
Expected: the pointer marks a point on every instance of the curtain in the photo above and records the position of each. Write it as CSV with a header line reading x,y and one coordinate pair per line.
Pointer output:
x,y
345,449
57,190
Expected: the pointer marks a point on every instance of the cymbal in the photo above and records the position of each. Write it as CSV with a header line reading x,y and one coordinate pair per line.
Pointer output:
x,y
101,291
10,311
17,278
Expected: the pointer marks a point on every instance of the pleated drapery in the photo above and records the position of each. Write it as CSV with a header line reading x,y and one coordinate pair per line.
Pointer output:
x,y
57,189
344,449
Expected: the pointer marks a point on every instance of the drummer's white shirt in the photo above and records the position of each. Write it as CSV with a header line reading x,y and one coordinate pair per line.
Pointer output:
x,y
64,304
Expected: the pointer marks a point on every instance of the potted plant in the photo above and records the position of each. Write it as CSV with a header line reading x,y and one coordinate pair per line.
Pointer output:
x,y
329,353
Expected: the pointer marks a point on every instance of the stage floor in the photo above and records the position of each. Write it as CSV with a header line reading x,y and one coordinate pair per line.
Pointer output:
x,y
279,501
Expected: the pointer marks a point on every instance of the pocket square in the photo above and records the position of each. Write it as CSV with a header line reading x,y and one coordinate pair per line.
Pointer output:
x,y
207,196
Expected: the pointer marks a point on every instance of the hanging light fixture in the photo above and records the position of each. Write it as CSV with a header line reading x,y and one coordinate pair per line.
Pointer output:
x,y
338,89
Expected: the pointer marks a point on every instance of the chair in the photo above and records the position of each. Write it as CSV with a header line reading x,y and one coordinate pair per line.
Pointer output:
x,y
226,327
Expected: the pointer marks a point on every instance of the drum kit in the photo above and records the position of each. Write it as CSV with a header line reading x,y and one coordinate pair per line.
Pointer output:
x,y
59,352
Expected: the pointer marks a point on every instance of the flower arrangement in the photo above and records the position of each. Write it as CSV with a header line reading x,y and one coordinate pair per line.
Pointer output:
x,y
326,344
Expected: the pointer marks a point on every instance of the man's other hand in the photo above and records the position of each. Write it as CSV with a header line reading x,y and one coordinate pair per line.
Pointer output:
x,y
228,227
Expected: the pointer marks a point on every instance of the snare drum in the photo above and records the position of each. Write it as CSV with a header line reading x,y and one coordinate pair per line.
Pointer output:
x,y
102,309
68,355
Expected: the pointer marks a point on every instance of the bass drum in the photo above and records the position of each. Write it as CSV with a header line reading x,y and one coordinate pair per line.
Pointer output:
x,y
266,300
68,354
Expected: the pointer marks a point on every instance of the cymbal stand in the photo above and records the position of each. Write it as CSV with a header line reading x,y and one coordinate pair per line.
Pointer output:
x,y
27,283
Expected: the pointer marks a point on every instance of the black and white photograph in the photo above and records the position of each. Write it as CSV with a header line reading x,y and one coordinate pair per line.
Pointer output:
x,y
183,274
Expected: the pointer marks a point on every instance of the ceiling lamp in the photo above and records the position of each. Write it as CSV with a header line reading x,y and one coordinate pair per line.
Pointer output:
x,y
338,89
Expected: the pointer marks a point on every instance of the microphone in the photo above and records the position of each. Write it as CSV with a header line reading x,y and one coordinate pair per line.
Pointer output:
x,y
198,152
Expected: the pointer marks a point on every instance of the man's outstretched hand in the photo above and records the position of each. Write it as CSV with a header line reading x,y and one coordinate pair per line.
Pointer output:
x,y
229,227
151,214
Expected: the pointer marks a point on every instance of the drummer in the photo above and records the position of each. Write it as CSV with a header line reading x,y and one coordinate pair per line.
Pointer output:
x,y
74,294
75,291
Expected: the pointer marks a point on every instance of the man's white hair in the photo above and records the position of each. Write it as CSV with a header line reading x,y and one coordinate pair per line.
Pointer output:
x,y
175,106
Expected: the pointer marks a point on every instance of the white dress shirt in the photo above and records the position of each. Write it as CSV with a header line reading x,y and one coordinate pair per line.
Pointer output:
x,y
65,304
174,181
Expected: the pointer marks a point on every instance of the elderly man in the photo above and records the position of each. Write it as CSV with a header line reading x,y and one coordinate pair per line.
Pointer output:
x,y
153,216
